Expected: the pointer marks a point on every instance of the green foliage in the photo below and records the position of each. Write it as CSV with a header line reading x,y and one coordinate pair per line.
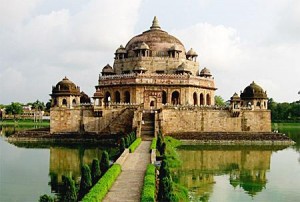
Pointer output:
x,y
104,163
69,194
284,112
219,101
38,105
153,143
122,145
98,192
96,172
148,192
14,108
86,180
181,192
46,198
127,141
135,144
160,141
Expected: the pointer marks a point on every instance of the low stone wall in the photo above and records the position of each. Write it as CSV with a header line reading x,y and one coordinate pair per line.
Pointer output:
x,y
213,120
122,157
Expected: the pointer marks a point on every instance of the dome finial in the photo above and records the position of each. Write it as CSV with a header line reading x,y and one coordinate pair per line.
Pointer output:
x,y
155,24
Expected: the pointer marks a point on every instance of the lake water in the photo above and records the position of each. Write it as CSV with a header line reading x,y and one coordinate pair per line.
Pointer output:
x,y
212,173
242,173
28,171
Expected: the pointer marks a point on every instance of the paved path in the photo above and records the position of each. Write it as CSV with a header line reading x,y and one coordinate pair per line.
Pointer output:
x,y
128,185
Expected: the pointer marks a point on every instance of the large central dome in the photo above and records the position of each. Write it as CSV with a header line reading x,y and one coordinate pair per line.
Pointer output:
x,y
157,40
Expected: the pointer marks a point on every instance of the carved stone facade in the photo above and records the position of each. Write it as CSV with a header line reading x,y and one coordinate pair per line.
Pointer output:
x,y
153,72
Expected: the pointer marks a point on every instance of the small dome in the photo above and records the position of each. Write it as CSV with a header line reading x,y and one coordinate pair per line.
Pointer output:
x,y
98,94
205,72
235,97
107,70
65,87
254,91
175,48
142,46
84,98
121,49
183,68
191,52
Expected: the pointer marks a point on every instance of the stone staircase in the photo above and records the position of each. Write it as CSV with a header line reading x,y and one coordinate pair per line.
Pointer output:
x,y
148,126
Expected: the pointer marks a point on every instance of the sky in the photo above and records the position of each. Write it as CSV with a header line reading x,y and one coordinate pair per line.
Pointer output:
x,y
42,41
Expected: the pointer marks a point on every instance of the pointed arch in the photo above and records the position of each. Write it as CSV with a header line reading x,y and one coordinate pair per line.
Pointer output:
x,y
208,101
164,97
175,98
195,98
117,97
202,101
127,97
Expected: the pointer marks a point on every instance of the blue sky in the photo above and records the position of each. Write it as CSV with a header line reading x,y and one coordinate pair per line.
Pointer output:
x,y
239,41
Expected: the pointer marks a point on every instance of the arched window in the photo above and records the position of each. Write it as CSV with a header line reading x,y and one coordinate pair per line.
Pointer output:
x,y
208,102
117,96
74,102
64,102
152,103
201,99
127,97
175,98
258,104
195,98
164,97
55,102
107,97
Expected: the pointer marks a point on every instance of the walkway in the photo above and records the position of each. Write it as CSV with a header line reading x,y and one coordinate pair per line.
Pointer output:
x,y
128,185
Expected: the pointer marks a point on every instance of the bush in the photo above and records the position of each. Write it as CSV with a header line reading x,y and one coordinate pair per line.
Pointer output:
x,y
86,180
122,145
127,141
135,144
104,163
153,143
148,192
69,194
98,192
46,198
96,172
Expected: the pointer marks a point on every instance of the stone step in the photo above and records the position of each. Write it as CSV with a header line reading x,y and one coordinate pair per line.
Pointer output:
x,y
147,133
147,128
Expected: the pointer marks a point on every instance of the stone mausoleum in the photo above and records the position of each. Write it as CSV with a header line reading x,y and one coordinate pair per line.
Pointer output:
x,y
155,84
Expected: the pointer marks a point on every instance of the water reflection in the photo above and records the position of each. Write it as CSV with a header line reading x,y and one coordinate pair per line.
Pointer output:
x,y
245,166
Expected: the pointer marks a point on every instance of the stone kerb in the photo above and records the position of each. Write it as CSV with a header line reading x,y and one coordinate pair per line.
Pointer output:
x,y
123,157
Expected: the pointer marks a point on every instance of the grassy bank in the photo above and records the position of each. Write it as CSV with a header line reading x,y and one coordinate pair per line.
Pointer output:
x,y
24,122
285,125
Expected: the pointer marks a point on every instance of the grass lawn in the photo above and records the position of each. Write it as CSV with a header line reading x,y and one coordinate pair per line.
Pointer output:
x,y
24,122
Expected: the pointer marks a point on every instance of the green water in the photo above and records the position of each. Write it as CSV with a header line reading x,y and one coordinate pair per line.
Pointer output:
x,y
242,173
28,171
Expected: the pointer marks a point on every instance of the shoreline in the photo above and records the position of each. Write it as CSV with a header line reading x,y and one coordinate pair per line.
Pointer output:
x,y
191,138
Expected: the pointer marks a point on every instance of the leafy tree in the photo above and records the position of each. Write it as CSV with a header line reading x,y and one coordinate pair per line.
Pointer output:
x,y
69,194
104,163
122,145
219,101
96,172
48,105
14,108
86,180
38,105
46,198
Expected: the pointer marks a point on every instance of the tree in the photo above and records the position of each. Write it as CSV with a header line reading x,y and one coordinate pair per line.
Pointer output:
x,y
14,108
104,163
219,101
46,198
122,145
38,105
86,180
69,194
96,172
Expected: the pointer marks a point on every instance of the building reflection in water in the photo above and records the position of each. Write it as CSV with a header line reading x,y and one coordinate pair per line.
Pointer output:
x,y
245,165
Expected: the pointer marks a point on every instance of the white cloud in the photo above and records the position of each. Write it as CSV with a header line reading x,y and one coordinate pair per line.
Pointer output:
x,y
45,47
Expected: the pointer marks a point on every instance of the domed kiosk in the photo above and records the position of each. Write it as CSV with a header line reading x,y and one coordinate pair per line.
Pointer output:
x,y
65,94
254,96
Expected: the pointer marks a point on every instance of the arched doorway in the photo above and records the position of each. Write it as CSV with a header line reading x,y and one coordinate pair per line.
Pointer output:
x,y
175,98
208,102
74,102
195,98
64,102
164,97
201,99
152,104
55,102
127,97
117,97
107,97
